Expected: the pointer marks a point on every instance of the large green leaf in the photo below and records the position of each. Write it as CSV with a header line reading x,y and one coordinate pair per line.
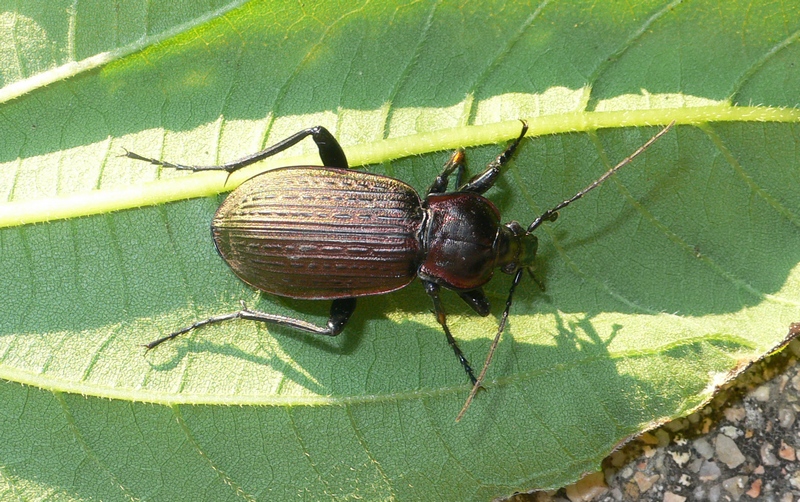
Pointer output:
x,y
660,284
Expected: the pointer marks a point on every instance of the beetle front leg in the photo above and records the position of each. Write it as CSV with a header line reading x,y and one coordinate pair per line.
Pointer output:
x,y
330,152
485,180
341,310
433,291
455,163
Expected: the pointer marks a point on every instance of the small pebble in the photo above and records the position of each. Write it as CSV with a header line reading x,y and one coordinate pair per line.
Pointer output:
x,y
782,381
673,497
735,486
786,452
754,417
695,465
755,489
794,346
730,431
699,493
734,414
680,457
676,425
648,438
767,457
795,480
645,482
703,447
632,491
728,452
761,393
786,417
588,488
796,382
709,471
707,424
714,493
618,458
663,437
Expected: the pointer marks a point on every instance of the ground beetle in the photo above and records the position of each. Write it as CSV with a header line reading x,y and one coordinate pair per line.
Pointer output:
x,y
331,233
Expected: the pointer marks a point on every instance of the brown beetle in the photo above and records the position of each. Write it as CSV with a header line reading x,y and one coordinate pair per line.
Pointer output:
x,y
331,233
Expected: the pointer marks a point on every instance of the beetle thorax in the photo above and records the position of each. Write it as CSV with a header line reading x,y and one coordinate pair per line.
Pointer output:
x,y
460,240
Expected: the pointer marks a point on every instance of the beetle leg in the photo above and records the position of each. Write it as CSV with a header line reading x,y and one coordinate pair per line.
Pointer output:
x,y
433,291
341,310
329,151
485,180
454,163
477,300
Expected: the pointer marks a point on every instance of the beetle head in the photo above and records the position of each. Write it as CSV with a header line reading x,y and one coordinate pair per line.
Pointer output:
x,y
519,250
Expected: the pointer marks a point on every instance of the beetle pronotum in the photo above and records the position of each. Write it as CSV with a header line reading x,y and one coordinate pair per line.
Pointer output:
x,y
331,233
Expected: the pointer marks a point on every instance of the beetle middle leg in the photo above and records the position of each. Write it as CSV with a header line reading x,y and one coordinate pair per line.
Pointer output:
x,y
340,313
330,152
433,291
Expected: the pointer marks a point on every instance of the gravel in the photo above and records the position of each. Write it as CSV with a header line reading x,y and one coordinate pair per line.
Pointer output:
x,y
742,446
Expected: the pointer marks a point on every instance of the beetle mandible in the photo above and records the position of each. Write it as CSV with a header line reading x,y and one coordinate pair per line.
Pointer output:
x,y
331,233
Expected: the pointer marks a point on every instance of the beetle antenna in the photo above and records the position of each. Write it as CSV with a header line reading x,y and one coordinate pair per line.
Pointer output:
x,y
495,342
551,214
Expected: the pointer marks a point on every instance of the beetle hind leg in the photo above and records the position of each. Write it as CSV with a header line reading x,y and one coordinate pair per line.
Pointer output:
x,y
330,152
340,313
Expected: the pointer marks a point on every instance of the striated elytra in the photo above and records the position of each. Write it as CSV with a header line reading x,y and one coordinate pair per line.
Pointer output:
x,y
331,233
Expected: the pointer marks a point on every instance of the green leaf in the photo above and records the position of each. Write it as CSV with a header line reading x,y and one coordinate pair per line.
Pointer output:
x,y
660,285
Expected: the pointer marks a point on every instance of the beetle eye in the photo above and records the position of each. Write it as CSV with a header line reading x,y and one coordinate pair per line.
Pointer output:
x,y
509,268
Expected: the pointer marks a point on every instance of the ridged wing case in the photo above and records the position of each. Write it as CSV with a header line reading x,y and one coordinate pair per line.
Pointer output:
x,y
321,233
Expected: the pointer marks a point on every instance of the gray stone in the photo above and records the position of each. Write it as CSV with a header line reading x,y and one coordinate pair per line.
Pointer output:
x,y
727,451
709,471
703,447
786,417
735,486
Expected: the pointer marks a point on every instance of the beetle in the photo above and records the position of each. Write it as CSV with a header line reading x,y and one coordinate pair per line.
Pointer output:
x,y
331,233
